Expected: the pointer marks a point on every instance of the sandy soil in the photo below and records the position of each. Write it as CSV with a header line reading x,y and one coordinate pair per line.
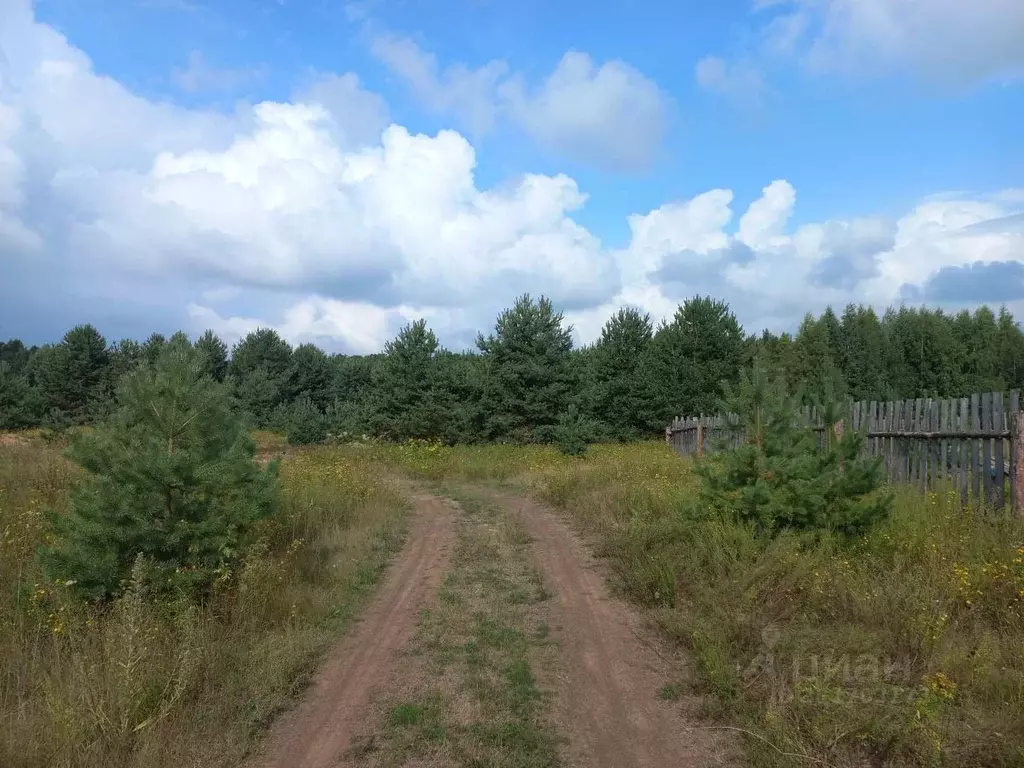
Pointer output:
x,y
318,731
607,702
606,684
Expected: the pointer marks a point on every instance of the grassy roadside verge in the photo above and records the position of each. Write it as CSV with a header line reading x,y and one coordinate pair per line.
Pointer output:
x,y
164,683
469,692
904,648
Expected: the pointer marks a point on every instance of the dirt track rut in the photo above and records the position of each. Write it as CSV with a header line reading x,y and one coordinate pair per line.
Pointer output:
x,y
607,701
319,730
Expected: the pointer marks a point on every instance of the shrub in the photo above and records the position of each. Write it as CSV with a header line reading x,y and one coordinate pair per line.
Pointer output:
x,y
306,423
780,479
573,433
56,425
170,477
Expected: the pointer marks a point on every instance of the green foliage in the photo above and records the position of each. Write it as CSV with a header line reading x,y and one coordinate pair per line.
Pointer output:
x,y
259,394
260,371
56,425
309,375
573,433
403,402
152,347
71,374
458,381
527,374
262,348
15,409
170,477
816,356
306,424
778,479
214,354
622,399
629,383
691,356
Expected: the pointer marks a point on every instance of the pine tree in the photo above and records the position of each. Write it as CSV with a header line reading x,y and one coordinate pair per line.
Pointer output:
x,y
622,396
309,374
527,376
72,373
259,395
402,403
14,391
153,346
214,353
1011,350
170,477
861,353
691,356
779,479
818,372
457,391
262,348
573,432
305,423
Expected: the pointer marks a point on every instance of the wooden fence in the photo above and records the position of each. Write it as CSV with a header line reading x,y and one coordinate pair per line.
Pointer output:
x,y
973,444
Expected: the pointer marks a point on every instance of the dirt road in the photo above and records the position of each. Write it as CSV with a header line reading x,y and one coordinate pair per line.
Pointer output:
x,y
605,711
318,731
607,704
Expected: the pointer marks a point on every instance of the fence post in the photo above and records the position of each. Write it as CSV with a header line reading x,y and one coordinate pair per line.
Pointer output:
x,y
1017,461
700,438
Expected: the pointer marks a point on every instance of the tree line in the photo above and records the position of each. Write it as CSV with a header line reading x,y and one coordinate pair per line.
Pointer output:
x,y
525,381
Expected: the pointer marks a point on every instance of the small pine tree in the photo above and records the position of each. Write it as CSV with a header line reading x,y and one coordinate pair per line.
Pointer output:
x,y
307,424
170,477
779,479
573,433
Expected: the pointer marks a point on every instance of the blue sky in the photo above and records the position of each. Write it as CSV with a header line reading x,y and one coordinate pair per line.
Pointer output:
x,y
657,139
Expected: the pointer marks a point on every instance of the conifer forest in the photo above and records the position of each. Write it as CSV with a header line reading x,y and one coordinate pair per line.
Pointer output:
x,y
526,375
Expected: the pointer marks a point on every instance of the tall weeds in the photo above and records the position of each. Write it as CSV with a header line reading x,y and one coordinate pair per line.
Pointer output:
x,y
901,647
168,682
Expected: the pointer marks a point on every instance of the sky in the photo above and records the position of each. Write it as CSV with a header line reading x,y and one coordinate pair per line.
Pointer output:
x,y
336,170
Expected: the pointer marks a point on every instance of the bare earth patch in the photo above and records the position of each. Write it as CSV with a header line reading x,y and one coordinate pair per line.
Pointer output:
x,y
607,701
318,731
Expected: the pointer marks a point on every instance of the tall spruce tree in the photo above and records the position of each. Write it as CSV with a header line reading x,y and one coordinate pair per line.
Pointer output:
x,y
170,477
817,360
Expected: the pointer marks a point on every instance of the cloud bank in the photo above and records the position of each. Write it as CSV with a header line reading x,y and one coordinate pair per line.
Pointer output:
x,y
321,218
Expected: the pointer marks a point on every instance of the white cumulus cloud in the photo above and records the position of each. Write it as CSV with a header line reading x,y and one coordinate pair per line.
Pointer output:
x,y
609,115
318,217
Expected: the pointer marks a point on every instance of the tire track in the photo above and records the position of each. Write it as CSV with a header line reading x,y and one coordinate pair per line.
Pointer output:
x,y
319,730
607,703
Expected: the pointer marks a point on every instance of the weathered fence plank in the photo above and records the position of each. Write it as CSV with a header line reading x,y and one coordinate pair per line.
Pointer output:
x,y
999,422
1016,467
970,444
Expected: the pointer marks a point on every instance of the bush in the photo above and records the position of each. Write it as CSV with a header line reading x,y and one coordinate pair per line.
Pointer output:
x,y
780,479
573,433
171,478
56,425
307,425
